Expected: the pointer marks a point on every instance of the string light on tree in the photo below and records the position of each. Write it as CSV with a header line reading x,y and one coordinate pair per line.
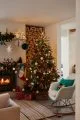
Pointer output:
x,y
16,72
26,79
42,68
49,71
37,76
41,58
44,73
47,61
34,71
46,54
30,68
36,44
53,61
13,68
32,83
31,76
36,63
23,89
1,68
37,91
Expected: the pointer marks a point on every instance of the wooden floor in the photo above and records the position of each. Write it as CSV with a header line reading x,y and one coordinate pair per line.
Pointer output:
x,y
32,110
47,103
42,111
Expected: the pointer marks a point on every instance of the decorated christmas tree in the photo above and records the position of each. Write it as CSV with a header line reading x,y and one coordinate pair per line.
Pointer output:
x,y
42,70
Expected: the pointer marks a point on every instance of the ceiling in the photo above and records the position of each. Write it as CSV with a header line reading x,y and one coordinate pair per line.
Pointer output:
x,y
38,12
69,25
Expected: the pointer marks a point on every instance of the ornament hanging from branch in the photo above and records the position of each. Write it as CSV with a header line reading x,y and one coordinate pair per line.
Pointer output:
x,y
25,46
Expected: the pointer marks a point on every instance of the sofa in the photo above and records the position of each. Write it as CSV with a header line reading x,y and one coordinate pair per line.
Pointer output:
x,y
9,110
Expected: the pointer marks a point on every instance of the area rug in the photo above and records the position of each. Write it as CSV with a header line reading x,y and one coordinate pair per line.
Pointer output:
x,y
32,110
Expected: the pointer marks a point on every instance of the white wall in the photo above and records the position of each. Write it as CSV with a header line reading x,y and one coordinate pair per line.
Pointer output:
x,y
11,26
51,32
72,50
77,109
16,51
65,52
65,55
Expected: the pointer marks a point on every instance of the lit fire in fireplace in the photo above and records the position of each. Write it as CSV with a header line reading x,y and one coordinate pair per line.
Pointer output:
x,y
4,81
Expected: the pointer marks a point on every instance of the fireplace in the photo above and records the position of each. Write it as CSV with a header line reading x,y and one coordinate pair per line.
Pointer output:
x,y
8,75
7,83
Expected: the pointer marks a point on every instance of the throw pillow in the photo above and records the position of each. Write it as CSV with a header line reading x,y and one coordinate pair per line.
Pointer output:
x,y
4,100
66,82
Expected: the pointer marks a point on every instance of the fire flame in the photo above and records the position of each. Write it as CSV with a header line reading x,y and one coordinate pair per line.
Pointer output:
x,y
4,81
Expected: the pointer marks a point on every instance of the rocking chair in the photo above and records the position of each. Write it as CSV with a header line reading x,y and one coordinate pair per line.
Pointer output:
x,y
62,97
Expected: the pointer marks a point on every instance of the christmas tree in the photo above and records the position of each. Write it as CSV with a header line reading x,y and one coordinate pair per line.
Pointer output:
x,y
42,70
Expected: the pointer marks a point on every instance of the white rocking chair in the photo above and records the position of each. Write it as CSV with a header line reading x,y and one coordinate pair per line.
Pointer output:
x,y
61,97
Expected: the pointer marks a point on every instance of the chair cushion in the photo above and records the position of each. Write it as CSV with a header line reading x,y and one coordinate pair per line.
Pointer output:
x,y
66,82
4,100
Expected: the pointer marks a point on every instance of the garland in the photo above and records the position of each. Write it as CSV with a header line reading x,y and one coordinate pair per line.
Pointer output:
x,y
7,37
